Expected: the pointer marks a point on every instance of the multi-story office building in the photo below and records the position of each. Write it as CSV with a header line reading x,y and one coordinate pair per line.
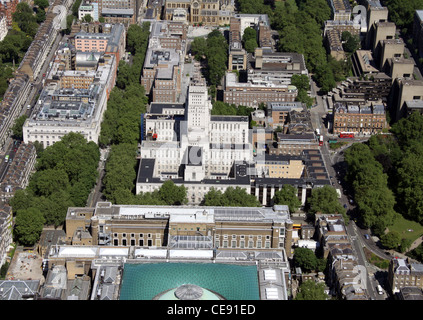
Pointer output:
x,y
61,111
162,74
275,67
404,90
399,68
404,273
168,35
256,91
359,119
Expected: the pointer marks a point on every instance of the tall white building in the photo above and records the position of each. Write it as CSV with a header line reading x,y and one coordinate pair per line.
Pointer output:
x,y
195,149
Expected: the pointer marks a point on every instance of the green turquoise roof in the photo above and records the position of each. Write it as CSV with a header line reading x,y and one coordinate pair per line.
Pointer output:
x,y
146,280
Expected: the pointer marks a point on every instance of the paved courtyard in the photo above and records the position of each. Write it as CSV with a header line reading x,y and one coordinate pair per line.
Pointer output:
x,y
25,265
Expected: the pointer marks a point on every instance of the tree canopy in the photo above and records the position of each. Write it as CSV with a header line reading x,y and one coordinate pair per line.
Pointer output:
x,y
287,196
325,200
232,197
66,173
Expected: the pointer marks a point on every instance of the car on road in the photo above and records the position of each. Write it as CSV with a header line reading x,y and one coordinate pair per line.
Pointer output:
x,y
379,289
367,236
345,206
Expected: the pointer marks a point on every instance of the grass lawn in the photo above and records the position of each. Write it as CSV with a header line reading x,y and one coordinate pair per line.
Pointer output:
x,y
402,226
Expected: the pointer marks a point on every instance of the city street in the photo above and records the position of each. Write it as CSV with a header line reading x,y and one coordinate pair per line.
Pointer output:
x,y
336,167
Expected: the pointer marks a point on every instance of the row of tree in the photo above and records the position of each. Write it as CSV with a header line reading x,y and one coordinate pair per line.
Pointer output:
x,y
120,129
66,173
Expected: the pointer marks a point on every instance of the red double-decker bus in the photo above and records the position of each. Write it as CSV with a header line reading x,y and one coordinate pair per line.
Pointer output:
x,y
346,135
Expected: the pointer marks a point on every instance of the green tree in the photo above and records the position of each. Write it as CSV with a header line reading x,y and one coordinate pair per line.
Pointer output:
x,y
199,48
250,45
305,259
25,19
288,196
17,128
171,194
28,226
310,290
391,240
87,18
350,42
325,200
374,199
232,197
42,3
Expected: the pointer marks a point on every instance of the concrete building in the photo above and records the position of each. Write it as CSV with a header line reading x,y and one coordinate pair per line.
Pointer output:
x,y
403,90
375,13
393,48
399,68
383,31
363,63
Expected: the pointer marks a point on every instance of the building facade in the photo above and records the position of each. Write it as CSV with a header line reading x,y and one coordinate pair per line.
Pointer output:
x,y
185,227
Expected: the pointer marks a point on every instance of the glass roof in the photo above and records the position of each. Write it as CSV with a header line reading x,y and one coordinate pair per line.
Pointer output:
x,y
147,280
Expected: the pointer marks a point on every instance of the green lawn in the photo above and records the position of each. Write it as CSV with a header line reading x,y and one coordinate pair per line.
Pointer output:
x,y
402,226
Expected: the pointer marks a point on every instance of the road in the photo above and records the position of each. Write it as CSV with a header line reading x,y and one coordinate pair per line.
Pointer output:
x,y
336,167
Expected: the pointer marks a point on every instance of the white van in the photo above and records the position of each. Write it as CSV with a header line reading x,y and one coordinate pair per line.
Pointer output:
x,y
379,289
